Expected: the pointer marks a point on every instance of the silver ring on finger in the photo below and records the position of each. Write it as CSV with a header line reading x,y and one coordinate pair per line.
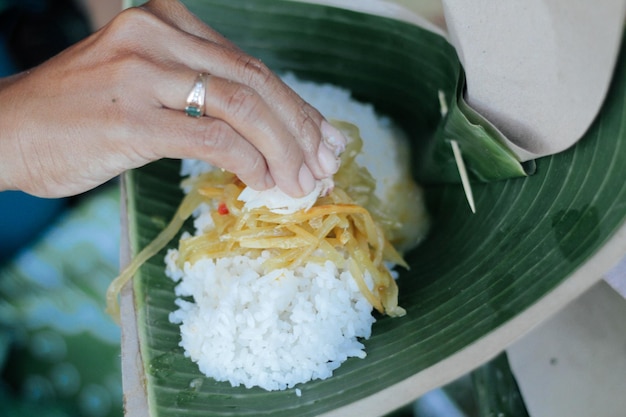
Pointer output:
x,y
195,99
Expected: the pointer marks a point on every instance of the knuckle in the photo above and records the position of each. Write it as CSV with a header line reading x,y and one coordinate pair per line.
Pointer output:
x,y
254,71
125,50
307,125
243,103
214,137
131,27
128,22
291,158
219,141
251,169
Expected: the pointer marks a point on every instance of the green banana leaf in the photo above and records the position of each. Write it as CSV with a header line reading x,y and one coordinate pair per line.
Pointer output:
x,y
482,145
473,276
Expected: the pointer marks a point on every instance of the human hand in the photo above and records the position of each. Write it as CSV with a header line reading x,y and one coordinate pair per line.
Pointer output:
x,y
115,101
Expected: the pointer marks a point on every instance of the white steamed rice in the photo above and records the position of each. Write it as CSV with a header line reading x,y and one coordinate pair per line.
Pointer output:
x,y
271,331
289,326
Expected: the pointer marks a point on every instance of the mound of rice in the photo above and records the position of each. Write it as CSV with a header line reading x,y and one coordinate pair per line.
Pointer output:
x,y
286,327
274,330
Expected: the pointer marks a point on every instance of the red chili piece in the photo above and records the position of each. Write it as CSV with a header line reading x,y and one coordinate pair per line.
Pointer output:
x,y
222,209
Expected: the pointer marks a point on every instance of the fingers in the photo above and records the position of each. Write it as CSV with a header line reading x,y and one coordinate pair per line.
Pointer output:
x,y
291,140
301,120
249,115
175,135
292,117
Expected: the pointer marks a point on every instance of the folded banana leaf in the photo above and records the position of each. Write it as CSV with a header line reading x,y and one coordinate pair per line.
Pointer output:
x,y
475,284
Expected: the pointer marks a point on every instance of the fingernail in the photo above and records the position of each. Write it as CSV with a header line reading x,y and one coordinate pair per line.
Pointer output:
x,y
333,138
327,159
307,182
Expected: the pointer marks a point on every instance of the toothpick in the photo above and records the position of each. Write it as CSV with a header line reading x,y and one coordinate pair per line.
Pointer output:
x,y
463,172
443,106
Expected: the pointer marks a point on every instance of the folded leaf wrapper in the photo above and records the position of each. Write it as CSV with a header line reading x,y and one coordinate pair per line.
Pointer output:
x,y
537,69
483,147
476,283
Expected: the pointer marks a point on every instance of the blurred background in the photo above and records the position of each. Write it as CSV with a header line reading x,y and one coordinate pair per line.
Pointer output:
x,y
59,351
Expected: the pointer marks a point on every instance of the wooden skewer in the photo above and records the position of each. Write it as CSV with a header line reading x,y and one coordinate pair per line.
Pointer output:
x,y
467,188
443,106
463,172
